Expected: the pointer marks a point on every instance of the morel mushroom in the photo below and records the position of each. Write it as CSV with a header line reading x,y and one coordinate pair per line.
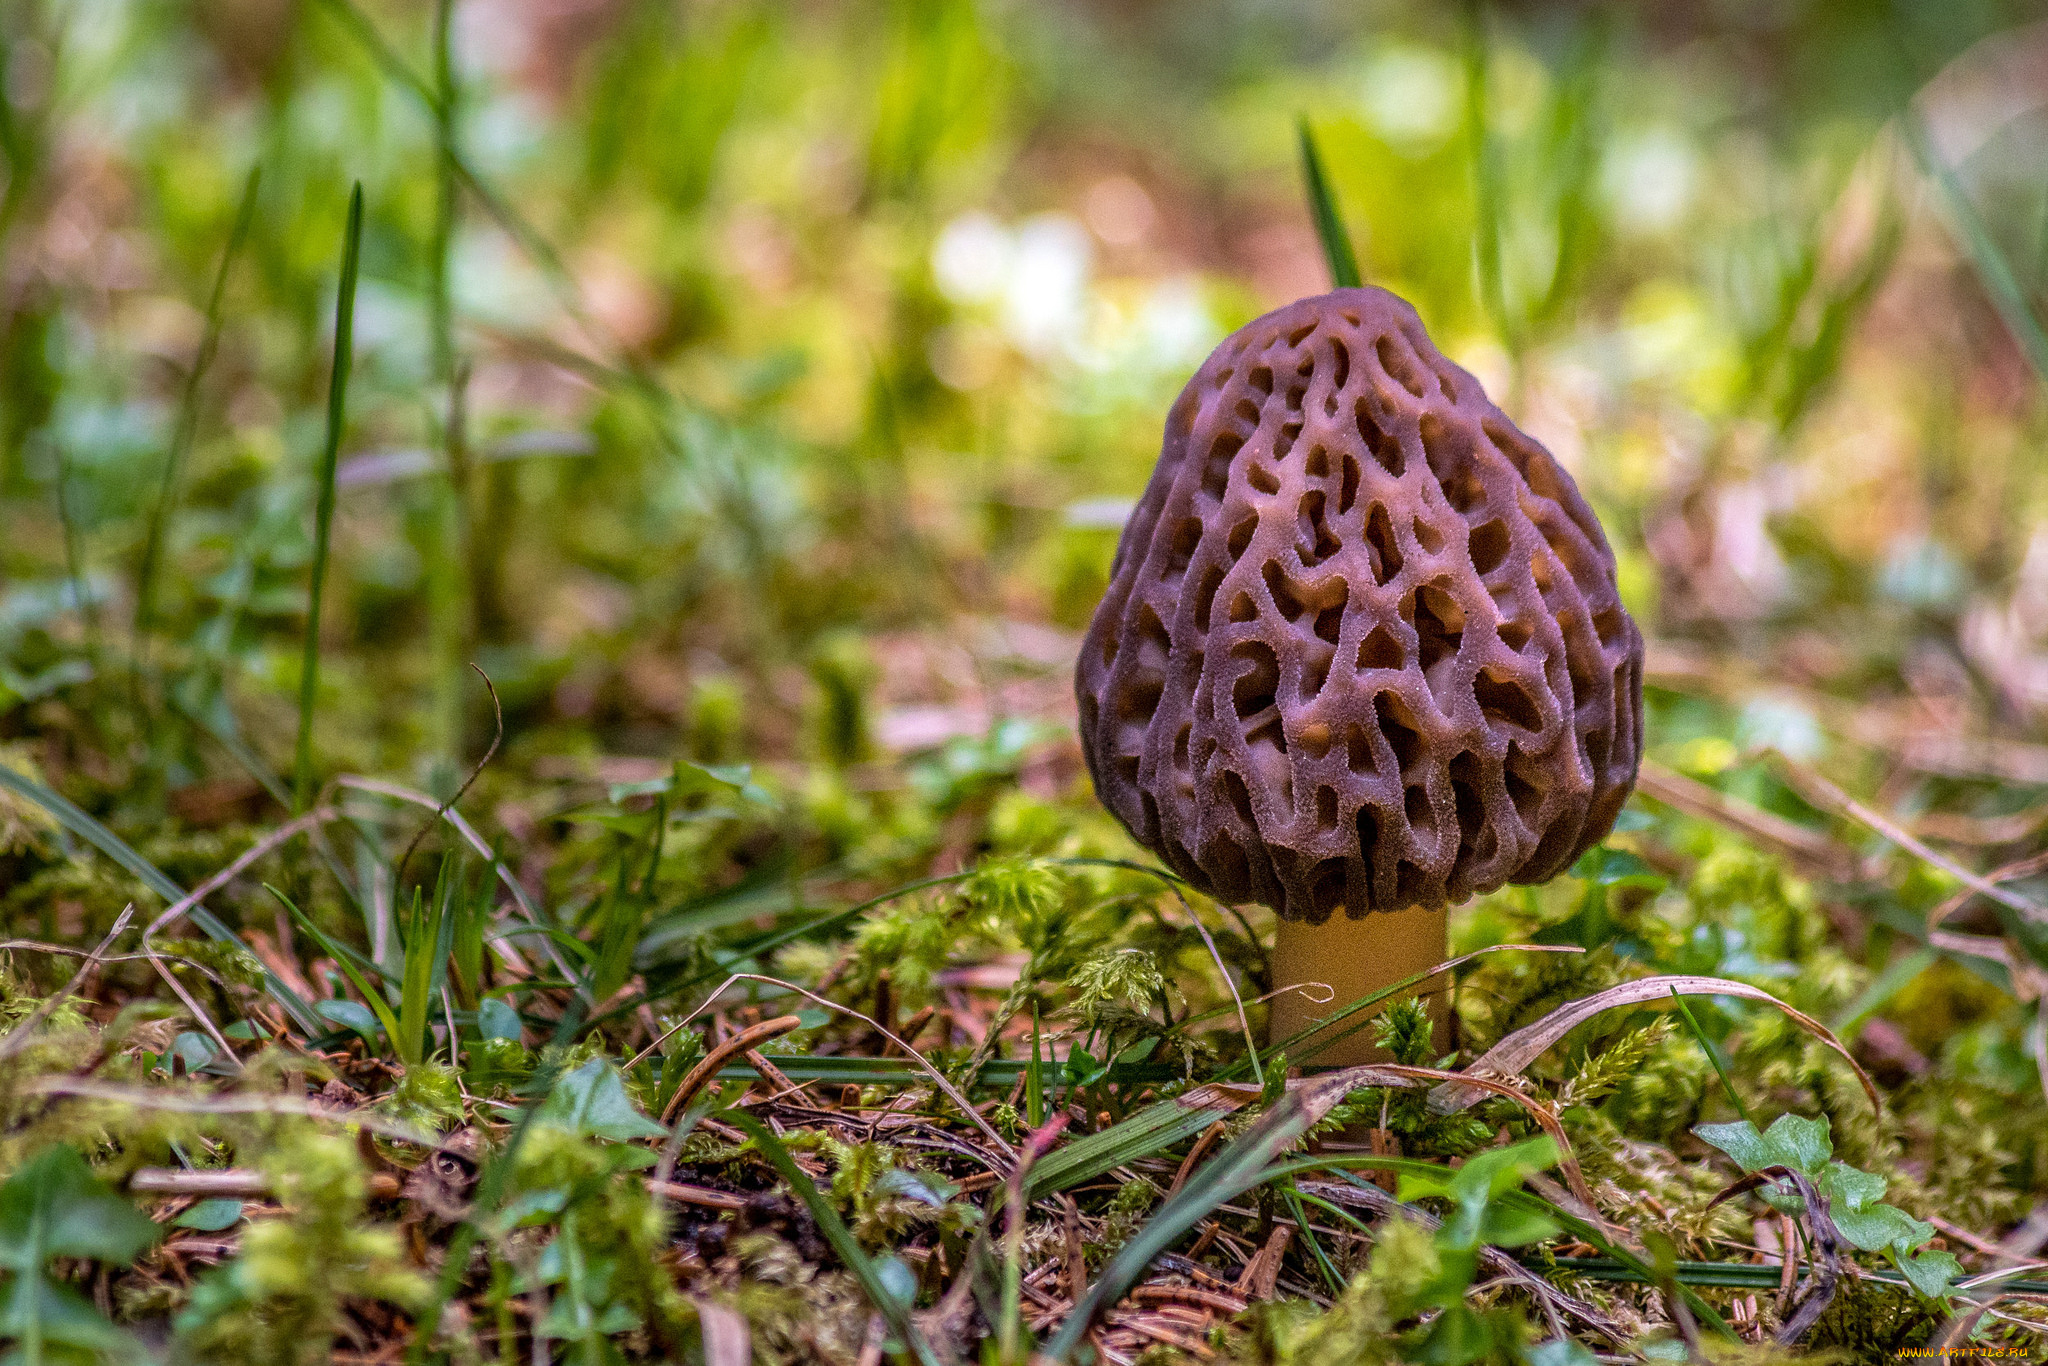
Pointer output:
x,y
1362,650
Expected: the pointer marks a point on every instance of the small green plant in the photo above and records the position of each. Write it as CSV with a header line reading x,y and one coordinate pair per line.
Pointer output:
x,y
1476,1218
1854,1196
55,1207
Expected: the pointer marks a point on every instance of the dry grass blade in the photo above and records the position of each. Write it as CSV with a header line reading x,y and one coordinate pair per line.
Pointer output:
x,y
198,1012
1209,1139
18,1037
1763,828
682,1193
1828,797
966,1107
223,1103
1545,1118
1511,1055
274,839
497,739
2026,867
232,1183
114,847
1243,1022
746,1040
243,1183
728,1340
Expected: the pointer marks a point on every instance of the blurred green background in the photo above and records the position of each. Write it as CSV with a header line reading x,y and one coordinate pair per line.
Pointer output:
x,y
769,380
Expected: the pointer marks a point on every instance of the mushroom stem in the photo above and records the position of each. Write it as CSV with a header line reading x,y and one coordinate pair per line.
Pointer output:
x,y
1355,959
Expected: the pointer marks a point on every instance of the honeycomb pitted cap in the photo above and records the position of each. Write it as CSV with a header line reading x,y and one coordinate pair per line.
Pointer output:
x,y
1362,645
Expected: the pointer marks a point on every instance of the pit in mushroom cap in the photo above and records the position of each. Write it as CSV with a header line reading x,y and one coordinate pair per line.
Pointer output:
x,y
1362,645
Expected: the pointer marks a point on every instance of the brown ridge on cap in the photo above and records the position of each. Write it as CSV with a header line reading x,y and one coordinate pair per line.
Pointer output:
x,y
1362,645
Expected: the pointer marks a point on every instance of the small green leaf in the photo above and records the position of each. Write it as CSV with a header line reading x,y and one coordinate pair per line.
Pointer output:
x,y
1799,1143
898,1280
55,1207
1931,1273
350,1015
195,1049
1458,1336
497,1020
1850,1187
1499,1170
39,1307
592,1100
926,1190
1881,1227
1739,1140
1137,1052
211,1216
1560,1352
1505,1226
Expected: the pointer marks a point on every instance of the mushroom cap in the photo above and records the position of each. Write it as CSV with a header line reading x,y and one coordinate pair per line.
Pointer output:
x,y
1362,645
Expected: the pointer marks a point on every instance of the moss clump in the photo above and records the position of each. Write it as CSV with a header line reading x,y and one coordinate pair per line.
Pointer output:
x,y
1870,1321
281,1300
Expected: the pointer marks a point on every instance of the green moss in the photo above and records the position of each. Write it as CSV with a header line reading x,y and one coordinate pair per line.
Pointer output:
x,y
281,1299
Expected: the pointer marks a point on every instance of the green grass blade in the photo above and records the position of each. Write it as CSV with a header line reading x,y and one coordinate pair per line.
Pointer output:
x,y
1153,1129
1332,1278
1354,1011
1034,1077
838,1235
1883,988
415,999
1244,1163
1578,131
1738,1275
618,923
373,997
1488,183
1713,1056
187,426
2001,283
117,849
323,523
74,560
1322,208
466,944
